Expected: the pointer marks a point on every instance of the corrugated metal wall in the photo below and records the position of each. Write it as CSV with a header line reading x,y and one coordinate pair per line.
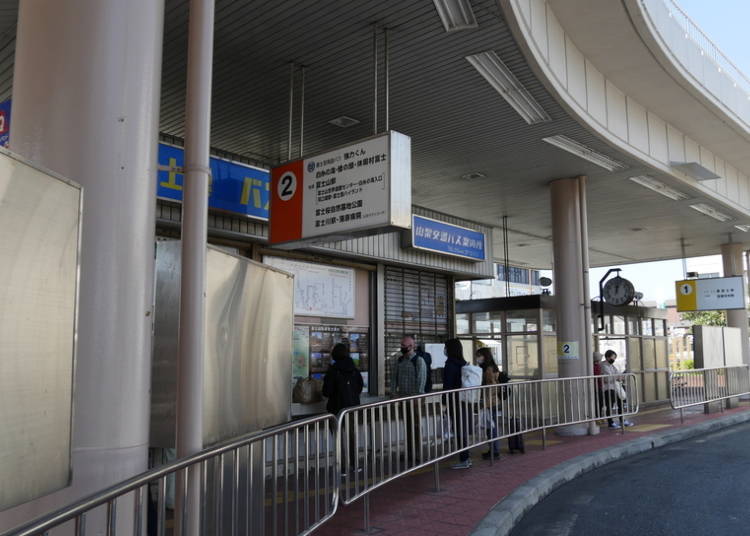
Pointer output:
x,y
385,248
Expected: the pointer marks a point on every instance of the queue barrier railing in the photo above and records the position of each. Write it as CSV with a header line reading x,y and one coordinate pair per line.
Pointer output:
x,y
385,440
278,481
697,387
290,479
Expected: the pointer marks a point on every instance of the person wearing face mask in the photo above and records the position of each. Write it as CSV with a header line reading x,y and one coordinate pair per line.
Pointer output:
x,y
609,388
408,377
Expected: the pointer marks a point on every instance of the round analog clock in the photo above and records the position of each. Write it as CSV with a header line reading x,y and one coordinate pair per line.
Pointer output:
x,y
618,291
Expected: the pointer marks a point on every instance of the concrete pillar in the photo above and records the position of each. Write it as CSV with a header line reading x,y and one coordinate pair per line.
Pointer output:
x,y
731,256
86,93
569,274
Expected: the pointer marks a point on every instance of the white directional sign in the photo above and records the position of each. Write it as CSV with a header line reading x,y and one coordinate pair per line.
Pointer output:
x,y
711,294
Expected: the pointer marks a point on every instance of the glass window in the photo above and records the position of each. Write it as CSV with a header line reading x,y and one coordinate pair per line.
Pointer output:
x,y
659,327
523,356
549,323
649,357
662,361
647,327
550,356
632,325
462,323
618,325
620,347
463,290
634,354
482,323
519,321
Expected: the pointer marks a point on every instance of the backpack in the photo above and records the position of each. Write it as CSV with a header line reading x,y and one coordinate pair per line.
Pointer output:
x,y
347,389
427,358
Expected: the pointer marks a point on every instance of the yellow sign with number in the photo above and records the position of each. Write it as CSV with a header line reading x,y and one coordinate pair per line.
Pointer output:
x,y
687,295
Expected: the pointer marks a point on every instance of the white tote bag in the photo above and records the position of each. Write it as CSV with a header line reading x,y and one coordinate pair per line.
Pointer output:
x,y
471,376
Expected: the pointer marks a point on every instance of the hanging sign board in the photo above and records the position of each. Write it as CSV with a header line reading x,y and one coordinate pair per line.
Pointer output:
x,y
715,293
447,239
363,188
234,187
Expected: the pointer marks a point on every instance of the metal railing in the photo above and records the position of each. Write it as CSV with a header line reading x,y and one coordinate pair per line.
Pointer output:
x,y
280,481
697,387
383,441
693,32
290,479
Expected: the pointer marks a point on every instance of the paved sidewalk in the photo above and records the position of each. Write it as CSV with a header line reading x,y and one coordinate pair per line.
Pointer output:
x,y
408,506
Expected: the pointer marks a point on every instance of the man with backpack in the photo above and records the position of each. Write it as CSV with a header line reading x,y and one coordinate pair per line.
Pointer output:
x,y
408,378
342,385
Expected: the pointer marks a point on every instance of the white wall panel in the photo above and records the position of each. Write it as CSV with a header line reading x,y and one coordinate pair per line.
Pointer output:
x,y
525,11
676,142
556,44
721,184
657,138
744,188
539,25
637,125
692,151
576,72
617,111
596,93
707,159
733,190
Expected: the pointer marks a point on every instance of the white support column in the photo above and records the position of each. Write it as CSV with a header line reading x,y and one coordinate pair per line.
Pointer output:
x,y
192,332
731,256
86,93
568,237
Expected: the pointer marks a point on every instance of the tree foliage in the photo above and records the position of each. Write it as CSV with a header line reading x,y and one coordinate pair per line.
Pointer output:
x,y
706,318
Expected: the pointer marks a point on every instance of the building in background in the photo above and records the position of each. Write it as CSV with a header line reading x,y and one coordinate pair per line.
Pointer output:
x,y
519,281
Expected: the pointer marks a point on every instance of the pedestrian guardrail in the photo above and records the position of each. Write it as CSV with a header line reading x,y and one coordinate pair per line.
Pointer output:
x,y
279,481
696,387
290,479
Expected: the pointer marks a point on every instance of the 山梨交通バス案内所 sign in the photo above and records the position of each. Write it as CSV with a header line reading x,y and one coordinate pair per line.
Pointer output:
x,y
234,187
448,239
363,188
710,294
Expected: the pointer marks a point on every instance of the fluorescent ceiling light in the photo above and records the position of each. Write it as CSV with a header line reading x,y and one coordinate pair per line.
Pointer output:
x,y
711,212
659,187
587,153
473,175
743,228
456,14
491,67
695,170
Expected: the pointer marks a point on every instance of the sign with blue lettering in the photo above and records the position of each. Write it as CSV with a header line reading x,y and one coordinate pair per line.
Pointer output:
x,y
234,187
447,239
4,122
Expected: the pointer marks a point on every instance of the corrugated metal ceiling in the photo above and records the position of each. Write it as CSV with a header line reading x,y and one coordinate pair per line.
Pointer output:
x,y
457,122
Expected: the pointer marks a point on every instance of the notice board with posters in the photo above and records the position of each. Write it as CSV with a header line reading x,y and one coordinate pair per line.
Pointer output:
x,y
317,341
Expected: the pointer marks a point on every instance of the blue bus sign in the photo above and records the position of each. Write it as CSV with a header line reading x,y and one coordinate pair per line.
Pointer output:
x,y
447,239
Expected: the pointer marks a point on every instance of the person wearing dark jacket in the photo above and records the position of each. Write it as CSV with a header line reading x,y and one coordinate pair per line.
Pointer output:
x,y
462,415
453,365
342,385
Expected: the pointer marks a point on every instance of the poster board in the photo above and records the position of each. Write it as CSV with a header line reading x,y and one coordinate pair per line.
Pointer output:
x,y
319,290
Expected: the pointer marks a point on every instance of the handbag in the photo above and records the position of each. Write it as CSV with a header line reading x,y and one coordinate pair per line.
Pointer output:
x,y
620,390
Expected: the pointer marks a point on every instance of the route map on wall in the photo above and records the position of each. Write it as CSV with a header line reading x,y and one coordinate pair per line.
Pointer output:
x,y
319,290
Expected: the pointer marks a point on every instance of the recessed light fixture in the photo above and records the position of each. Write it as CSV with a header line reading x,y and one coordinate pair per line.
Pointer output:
x,y
695,170
711,212
456,14
344,121
587,153
659,187
492,68
473,175
743,228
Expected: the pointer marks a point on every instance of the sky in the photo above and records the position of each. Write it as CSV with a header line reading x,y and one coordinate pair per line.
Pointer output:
x,y
725,22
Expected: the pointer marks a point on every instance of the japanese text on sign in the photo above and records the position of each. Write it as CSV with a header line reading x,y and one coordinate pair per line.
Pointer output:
x,y
448,239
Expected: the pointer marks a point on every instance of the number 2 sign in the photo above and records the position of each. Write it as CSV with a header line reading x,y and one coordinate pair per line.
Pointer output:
x,y
568,350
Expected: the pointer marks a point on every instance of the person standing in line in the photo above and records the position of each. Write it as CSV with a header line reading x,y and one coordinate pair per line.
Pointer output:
x,y
598,384
490,376
408,378
457,374
342,385
609,389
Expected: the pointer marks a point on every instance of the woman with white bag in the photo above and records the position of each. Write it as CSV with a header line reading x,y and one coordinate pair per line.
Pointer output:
x,y
613,391
464,419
